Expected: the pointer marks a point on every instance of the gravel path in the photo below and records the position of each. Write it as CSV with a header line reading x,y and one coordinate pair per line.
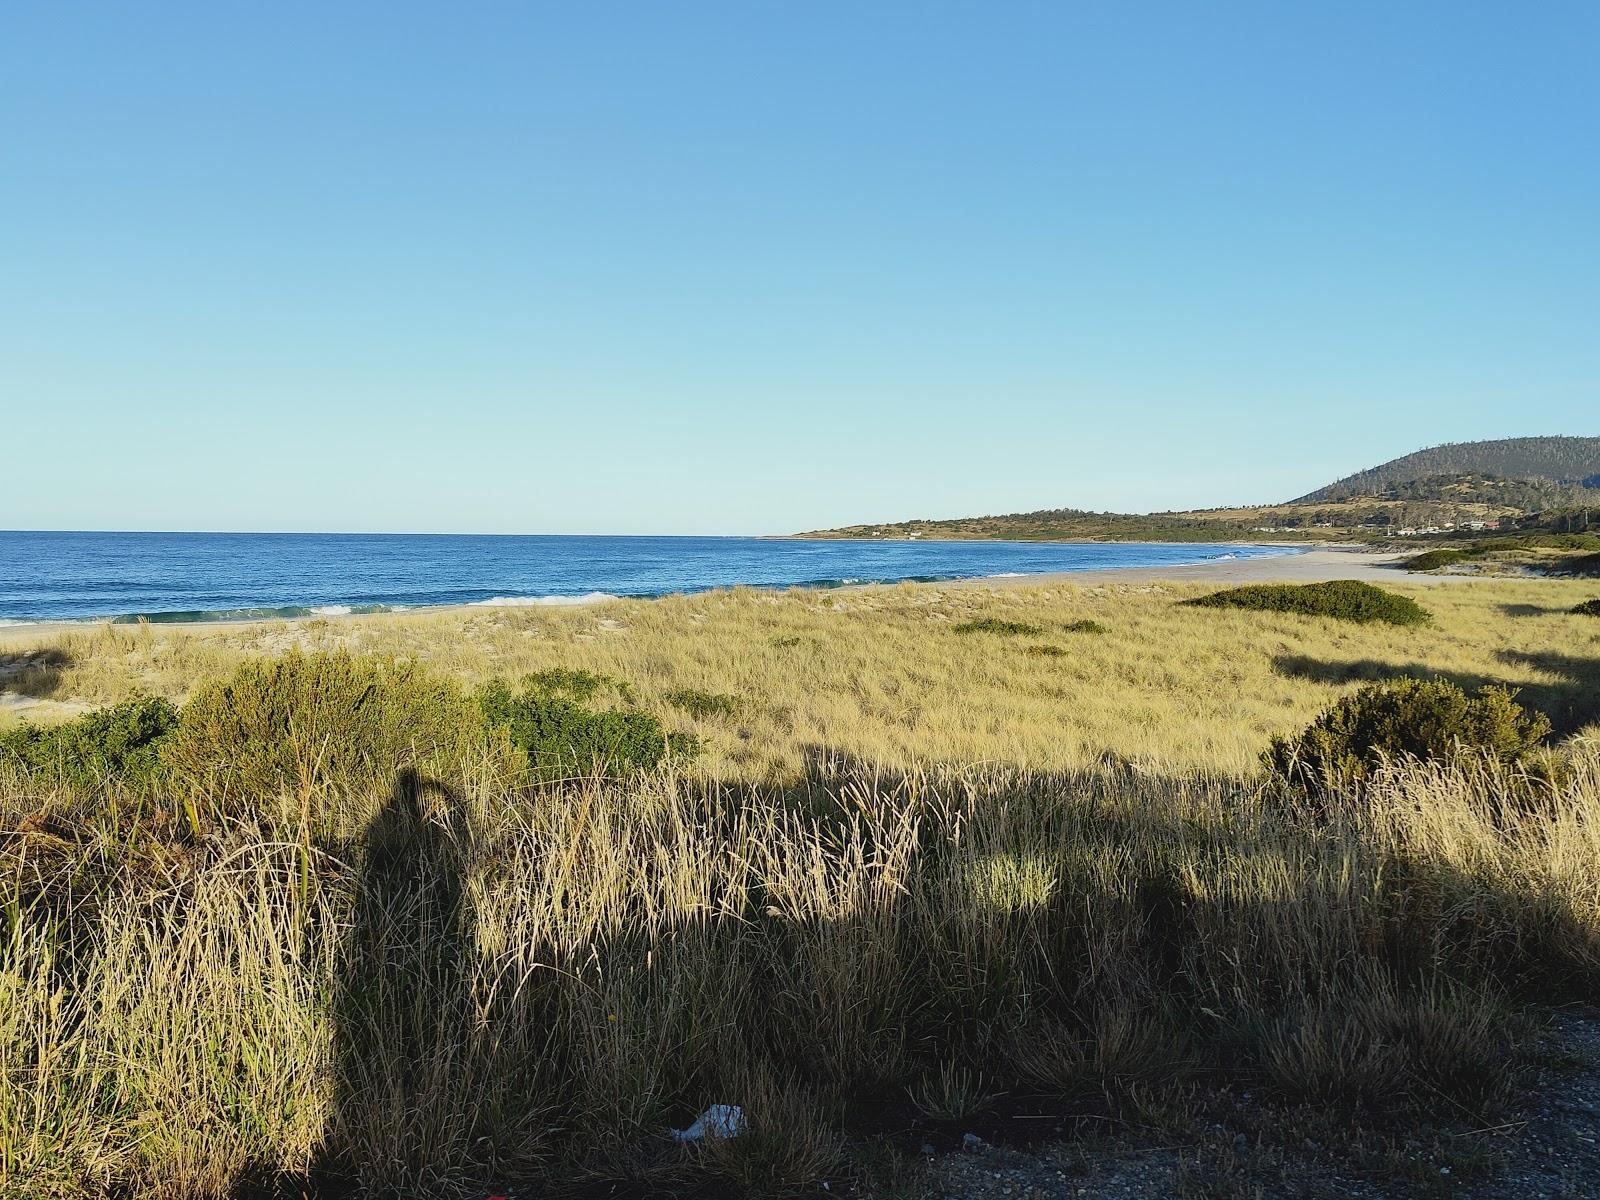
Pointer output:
x,y
1546,1148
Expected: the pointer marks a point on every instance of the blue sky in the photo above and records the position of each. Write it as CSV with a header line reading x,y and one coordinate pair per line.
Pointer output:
x,y
750,267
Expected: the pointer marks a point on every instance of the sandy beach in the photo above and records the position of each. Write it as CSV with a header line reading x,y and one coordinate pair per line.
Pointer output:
x,y
1311,566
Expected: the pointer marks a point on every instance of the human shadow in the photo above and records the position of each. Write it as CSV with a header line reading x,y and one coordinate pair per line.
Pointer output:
x,y
1034,913
400,1002
35,673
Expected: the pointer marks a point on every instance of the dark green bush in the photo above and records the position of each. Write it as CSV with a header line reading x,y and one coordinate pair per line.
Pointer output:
x,y
1589,608
1346,599
992,625
310,721
564,740
1432,560
1423,720
702,704
122,743
1085,625
1045,650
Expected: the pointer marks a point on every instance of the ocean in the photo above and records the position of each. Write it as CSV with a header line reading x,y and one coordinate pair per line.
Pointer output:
x,y
235,576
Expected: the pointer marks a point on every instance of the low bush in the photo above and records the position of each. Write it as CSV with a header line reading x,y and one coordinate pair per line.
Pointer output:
x,y
1407,719
122,743
992,625
1344,599
1084,626
1045,650
1432,560
303,722
564,740
566,681
1589,608
702,704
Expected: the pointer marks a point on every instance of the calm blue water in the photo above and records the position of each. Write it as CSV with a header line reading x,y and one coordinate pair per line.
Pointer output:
x,y
190,576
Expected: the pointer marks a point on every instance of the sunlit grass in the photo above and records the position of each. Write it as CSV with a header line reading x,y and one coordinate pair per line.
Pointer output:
x,y
880,674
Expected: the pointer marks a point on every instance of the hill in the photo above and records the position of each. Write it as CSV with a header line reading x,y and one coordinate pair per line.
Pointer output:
x,y
1572,461
1461,486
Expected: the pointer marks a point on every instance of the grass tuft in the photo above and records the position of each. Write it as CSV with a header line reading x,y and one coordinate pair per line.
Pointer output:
x,y
995,625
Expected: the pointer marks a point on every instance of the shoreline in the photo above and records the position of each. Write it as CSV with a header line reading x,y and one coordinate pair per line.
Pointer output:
x,y
1295,564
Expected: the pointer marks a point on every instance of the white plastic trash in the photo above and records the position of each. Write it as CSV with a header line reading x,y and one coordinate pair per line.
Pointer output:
x,y
718,1121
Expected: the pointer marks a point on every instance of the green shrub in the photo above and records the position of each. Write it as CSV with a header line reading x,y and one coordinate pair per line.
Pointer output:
x,y
992,625
1084,625
564,740
575,683
309,721
122,742
1589,608
1045,650
702,704
1432,560
1345,599
1424,720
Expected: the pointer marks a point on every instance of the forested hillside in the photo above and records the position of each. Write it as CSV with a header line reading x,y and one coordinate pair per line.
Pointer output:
x,y
1566,460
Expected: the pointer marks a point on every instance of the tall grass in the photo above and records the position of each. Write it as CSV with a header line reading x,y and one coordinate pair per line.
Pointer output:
x,y
493,983
909,866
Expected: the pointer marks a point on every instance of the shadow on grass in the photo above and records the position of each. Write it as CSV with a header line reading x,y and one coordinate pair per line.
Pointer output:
x,y
1571,704
1056,922
1529,610
35,673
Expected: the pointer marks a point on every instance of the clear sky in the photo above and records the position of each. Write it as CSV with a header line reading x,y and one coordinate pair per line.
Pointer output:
x,y
758,267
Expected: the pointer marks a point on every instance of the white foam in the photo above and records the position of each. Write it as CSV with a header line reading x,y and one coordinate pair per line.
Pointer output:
x,y
7,621
1009,575
533,601
332,610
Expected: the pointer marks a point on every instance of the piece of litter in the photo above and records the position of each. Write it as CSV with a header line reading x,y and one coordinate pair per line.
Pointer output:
x,y
718,1121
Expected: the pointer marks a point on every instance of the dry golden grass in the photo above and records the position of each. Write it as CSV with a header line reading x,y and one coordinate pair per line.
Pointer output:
x,y
440,989
880,674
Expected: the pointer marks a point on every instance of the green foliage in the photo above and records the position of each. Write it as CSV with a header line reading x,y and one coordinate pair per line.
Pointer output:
x,y
572,682
1589,608
702,704
993,625
122,742
1345,599
1560,459
564,740
303,722
1045,650
1432,560
1426,720
1085,625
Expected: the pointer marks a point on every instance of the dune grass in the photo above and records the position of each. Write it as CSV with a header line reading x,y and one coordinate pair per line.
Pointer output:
x,y
907,863
880,674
